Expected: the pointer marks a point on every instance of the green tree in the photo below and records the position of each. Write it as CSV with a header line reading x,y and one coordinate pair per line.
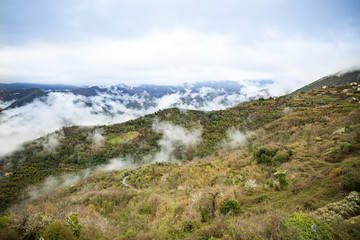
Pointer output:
x,y
57,231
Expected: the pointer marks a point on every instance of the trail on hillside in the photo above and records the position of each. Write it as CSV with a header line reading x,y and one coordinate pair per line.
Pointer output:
x,y
124,182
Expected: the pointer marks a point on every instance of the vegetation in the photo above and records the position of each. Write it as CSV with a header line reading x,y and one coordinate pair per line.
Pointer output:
x,y
276,186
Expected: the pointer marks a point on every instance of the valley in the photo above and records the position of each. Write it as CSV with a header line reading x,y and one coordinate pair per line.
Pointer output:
x,y
264,169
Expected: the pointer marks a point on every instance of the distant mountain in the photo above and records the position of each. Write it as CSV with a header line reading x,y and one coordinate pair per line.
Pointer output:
x,y
44,87
264,169
196,95
20,97
332,80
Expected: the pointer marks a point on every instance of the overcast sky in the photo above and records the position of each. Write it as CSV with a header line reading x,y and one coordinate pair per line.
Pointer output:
x,y
103,42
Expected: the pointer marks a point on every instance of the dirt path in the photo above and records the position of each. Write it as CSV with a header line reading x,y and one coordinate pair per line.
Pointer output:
x,y
124,182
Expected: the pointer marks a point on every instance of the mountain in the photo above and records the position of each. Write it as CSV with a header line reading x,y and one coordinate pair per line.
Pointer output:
x,y
44,87
264,169
40,113
337,79
197,93
20,97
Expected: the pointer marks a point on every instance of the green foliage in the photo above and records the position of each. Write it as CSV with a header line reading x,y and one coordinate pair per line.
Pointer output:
x,y
264,155
349,229
146,209
124,137
231,205
301,223
282,156
346,147
73,223
189,225
57,231
205,214
351,181
282,180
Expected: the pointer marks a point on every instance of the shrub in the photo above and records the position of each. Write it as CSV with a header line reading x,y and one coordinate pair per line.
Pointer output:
x,y
90,233
351,181
189,225
336,172
282,180
57,231
282,156
346,147
146,209
205,214
73,223
228,206
301,223
347,229
264,155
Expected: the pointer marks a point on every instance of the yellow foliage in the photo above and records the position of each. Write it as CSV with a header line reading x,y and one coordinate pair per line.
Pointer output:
x,y
336,172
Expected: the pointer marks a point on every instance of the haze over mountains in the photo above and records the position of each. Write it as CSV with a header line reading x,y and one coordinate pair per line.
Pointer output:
x,y
28,113
264,169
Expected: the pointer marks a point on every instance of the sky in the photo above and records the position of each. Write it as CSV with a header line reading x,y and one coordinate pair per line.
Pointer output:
x,y
107,42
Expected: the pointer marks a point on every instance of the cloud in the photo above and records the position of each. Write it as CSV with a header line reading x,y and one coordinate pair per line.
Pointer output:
x,y
287,111
173,137
178,55
96,138
53,182
116,164
51,141
52,112
66,179
235,139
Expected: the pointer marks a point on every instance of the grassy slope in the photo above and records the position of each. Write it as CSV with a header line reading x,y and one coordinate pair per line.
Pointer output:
x,y
322,132
332,80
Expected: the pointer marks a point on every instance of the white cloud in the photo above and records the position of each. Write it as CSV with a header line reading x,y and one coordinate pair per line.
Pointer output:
x,y
177,56
51,141
173,136
235,139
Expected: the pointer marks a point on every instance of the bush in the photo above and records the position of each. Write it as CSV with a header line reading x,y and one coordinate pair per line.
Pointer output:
x,y
90,233
282,180
146,209
346,147
73,223
264,155
205,214
301,223
190,225
282,156
347,229
351,182
335,172
57,231
228,206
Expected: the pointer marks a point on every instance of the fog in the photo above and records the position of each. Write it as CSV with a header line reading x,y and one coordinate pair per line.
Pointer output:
x,y
58,109
51,141
235,139
173,137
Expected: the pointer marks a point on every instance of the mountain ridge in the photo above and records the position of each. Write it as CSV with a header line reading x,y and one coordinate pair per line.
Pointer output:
x,y
332,80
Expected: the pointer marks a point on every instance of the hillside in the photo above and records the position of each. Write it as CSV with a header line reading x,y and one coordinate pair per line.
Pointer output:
x,y
332,81
20,97
265,169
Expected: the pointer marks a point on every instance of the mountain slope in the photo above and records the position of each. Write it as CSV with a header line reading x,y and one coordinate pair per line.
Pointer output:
x,y
20,97
256,165
332,80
